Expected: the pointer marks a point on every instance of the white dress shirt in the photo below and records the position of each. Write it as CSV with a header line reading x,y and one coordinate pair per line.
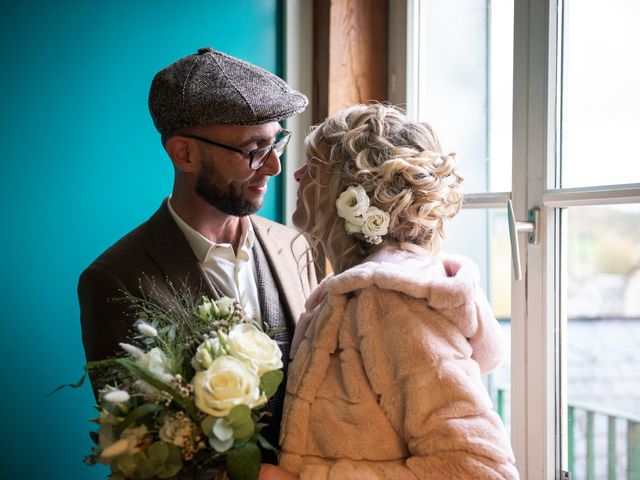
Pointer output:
x,y
234,274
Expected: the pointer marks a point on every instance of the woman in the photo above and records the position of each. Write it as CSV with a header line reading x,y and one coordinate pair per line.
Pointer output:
x,y
386,378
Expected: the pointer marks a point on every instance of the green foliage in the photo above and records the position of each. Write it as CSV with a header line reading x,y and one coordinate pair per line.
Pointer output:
x,y
160,460
207,425
243,462
264,443
135,415
185,403
241,421
270,381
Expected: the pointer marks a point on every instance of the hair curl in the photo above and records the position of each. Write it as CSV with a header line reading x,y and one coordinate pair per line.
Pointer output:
x,y
400,165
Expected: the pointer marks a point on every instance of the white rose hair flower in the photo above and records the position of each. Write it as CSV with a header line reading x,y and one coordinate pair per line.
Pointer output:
x,y
375,225
352,203
360,217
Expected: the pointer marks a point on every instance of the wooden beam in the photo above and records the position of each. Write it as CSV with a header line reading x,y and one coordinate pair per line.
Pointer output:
x,y
358,58
350,54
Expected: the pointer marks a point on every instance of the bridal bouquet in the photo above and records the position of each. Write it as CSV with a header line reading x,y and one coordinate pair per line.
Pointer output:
x,y
187,393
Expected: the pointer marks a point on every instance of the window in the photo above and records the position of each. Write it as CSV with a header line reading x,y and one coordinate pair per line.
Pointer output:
x,y
540,101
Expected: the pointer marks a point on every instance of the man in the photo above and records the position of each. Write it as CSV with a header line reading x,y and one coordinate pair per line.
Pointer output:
x,y
218,117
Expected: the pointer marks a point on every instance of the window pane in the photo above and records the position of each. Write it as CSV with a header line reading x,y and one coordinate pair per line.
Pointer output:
x,y
600,93
603,339
491,251
464,85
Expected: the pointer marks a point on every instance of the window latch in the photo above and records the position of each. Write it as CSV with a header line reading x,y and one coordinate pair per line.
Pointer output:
x,y
532,227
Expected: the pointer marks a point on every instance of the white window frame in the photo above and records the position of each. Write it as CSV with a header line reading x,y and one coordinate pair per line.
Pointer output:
x,y
298,44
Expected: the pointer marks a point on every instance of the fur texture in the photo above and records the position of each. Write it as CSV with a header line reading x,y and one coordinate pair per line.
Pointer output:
x,y
385,383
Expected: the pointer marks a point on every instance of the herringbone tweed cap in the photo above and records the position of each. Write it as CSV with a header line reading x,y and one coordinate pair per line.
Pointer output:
x,y
211,87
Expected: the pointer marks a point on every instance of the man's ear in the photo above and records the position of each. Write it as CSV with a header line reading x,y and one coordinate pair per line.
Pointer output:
x,y
183,153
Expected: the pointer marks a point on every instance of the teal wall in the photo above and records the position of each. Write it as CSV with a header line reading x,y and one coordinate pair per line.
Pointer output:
x,y
80,165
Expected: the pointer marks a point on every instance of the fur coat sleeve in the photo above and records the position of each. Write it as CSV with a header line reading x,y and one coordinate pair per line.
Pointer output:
x,y
387,383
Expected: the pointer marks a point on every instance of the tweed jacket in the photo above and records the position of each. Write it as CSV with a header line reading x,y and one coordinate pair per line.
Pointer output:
x,y
386,378
156,252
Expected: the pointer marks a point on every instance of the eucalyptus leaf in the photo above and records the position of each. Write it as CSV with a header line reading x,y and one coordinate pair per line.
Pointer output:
x,y
158,453
220,445
173,464
222,430
243,462
207,425
270,381
241,421
146,468
239,414
126,464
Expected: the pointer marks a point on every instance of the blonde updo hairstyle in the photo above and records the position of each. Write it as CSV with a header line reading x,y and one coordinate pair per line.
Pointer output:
x,y
399,164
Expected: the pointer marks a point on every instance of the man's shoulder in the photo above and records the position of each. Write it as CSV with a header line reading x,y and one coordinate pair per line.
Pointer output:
x,y
131,250
270,227
120,255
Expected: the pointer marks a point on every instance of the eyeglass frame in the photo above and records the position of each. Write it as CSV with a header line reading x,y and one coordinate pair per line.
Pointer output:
x,y
251,155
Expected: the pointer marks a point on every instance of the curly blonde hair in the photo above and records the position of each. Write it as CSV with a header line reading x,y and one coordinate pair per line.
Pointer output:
x,y
399,164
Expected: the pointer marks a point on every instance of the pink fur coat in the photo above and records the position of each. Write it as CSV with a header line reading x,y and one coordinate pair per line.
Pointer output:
x,y
385,382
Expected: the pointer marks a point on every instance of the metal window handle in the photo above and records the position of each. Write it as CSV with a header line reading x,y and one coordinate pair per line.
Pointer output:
x,y
515,227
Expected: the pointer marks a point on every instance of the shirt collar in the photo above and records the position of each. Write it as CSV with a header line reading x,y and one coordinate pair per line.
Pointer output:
x,y
202,247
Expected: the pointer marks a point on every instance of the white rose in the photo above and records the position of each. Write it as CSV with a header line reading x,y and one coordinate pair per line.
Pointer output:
x,y
352,228
248,343
226,305
376,224
352,203
226,383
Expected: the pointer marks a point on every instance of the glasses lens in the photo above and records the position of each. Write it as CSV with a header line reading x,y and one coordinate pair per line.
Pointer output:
x,y
260,155
281,144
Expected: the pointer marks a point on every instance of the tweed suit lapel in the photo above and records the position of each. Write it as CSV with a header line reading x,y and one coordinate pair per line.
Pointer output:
x,y
172,253
283,266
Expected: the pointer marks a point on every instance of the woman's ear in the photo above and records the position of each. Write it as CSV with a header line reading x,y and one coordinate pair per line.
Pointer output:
x,y
183,154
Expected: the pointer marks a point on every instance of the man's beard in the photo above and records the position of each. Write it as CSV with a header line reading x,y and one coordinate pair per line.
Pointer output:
x,y
224,198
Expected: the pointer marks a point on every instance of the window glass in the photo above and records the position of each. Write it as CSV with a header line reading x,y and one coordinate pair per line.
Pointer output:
x,y
464,85
600,93
602,338
490,250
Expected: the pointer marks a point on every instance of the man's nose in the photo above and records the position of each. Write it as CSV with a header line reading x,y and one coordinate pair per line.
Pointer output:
x,y
272,164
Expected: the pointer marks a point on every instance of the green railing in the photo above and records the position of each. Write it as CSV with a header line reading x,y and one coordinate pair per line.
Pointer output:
x,y
614,419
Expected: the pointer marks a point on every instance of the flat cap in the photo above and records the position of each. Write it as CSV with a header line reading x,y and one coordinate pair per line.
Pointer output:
x,y
210,87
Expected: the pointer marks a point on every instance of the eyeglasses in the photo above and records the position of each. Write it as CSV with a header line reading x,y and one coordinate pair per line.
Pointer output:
x,y
257,157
